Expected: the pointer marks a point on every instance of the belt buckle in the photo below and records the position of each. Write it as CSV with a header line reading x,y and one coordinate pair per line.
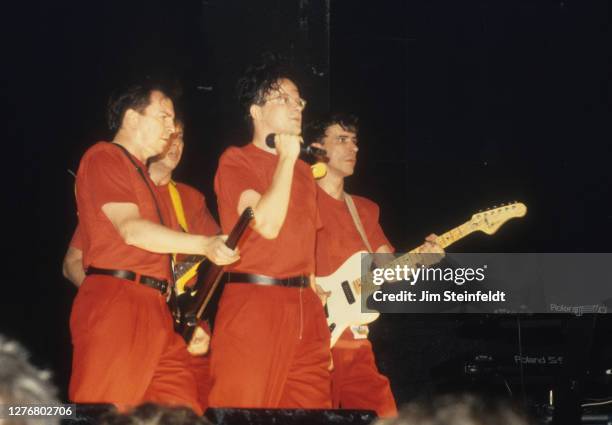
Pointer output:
x,y
166,289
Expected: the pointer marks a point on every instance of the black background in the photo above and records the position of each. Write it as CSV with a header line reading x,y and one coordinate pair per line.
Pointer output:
x,y
463,105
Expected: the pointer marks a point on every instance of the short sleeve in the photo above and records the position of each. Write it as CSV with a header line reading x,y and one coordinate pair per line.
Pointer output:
x,y
318,219
201,220
374,231
106,179
210,225
234,176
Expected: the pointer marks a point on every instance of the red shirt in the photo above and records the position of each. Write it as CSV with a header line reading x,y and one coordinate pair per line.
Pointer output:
x,y
199,219
339,238
107,175
293,251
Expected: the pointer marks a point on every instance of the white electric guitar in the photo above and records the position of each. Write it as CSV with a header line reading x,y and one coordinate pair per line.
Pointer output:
x,y
343,307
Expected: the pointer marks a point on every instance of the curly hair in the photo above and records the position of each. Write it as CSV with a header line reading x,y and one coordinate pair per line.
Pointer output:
x,y
154,414
315,130
23,383
261,79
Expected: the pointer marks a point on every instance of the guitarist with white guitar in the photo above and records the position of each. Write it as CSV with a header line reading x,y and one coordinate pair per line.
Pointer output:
x,y
356,381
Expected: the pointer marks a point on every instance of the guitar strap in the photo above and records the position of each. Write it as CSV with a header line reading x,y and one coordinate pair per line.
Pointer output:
x,y
159,214
177,204
359,332
175,196
351,207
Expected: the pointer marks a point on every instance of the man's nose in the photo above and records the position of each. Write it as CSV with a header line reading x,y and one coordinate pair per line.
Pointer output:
x,y
170,125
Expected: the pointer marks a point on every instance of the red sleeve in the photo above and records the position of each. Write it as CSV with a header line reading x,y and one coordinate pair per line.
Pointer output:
x,y
107,180
199,218
210,225
375,233
77,240
234,176
319,218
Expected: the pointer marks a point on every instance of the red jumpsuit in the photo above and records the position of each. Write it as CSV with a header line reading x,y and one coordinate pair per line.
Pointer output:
x,y
356,381
270,346
125,349
200,221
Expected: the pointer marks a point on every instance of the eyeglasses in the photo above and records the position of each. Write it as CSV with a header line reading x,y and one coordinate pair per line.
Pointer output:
x,y
285,99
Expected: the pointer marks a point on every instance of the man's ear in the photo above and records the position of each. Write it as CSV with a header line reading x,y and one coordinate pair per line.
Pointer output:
x,y
130,118
255,112
317,145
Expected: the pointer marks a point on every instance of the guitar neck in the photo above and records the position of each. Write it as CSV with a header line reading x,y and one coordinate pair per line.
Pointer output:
x,y
444,240
452,236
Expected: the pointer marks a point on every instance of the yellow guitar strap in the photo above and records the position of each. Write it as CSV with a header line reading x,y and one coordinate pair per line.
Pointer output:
x,y
175,196
178,205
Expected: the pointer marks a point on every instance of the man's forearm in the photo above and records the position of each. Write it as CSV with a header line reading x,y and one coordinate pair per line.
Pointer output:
x,y
156,238
271,210
73,271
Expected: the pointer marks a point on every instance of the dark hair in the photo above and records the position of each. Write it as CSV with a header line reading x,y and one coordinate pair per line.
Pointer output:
x,y
260,79
22,383
315,130
134,96
154,414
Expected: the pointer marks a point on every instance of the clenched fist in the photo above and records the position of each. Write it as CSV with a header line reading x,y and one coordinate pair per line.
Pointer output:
x,y
219,253
288,145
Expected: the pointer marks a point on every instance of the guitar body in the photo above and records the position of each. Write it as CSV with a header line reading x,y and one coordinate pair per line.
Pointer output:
x,y
344,305
193,304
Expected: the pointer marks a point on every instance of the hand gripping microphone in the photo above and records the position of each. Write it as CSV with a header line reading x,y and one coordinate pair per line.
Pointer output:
x,y
304,150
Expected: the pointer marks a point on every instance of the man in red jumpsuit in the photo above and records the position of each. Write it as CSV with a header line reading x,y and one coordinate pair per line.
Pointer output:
x,y
198,220
356,381
270,346
125,349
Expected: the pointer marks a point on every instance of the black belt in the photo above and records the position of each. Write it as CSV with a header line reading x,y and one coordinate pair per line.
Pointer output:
x,y
161,285
260,279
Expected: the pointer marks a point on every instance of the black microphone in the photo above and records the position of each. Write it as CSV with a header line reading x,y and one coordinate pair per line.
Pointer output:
x,y
304,150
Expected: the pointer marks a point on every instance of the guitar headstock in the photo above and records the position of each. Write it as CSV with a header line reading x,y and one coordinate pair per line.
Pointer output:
x,y
491,220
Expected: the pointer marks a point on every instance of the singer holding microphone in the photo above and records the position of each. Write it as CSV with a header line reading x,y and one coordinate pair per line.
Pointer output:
x,y
270,346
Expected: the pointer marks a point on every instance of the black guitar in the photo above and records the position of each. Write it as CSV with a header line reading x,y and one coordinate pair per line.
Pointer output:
x,y
194,302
